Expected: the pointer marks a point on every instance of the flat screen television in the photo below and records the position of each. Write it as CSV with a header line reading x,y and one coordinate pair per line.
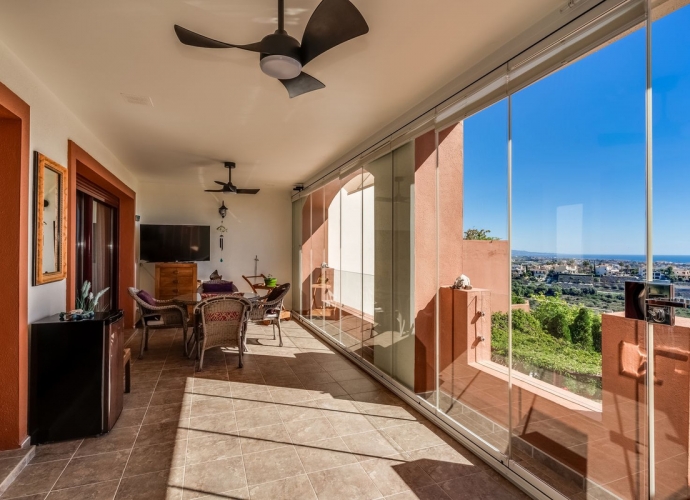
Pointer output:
x,y
161,243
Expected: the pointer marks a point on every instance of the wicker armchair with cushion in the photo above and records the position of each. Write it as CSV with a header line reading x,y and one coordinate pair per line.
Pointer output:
x,y
158,315
223,323
269,308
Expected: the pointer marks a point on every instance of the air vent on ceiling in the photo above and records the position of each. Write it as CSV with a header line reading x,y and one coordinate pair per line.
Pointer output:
x,y
137,99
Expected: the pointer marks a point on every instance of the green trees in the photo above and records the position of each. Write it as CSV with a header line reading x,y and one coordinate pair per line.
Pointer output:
x,y
479,234
558,326
536,348
516,299
555,315
581,329
670,273
574,352
574,324
596,333
526,322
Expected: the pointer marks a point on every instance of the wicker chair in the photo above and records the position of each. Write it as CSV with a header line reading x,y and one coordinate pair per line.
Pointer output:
x,y
269,309
164,315
223,324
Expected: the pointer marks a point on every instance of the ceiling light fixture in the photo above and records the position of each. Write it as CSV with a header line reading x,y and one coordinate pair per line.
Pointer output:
x,y
281,67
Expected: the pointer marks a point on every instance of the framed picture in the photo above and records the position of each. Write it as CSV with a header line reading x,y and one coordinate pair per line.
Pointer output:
x,y
50,221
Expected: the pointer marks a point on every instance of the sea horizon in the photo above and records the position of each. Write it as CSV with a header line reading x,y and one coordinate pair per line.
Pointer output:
x,y
680,259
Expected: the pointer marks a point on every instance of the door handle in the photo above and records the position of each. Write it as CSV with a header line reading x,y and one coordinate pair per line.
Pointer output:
x,y
661,310
674,302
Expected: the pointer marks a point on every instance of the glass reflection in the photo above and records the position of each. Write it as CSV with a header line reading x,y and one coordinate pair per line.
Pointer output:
x,y
578,215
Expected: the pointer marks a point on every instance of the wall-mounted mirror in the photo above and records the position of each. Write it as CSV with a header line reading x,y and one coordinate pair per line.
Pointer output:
x,y
50,221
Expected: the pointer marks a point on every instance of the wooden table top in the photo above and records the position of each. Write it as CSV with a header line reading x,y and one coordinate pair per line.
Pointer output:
x,y
259,286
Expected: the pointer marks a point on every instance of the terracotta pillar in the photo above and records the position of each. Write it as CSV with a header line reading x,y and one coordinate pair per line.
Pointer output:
x,y
14,260
438,235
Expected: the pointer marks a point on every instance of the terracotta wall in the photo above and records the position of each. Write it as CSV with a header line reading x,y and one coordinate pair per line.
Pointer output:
x,y
439,217
487,264
464,326
450,204
14,257
425,261
624,396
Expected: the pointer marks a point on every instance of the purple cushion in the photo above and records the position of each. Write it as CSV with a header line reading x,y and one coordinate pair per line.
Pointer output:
x,y
146,297
219,287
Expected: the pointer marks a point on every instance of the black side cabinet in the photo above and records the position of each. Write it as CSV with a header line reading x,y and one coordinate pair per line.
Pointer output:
x,y
76,378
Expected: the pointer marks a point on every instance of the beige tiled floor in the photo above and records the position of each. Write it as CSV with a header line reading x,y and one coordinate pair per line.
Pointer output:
x,y
295,422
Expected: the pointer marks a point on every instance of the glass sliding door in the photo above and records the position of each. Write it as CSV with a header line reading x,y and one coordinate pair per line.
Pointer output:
x,y
671,244
403,265
319,234
473,241
568,359
351,260
330,270
578,234
306,269
420,169
296,290
377,263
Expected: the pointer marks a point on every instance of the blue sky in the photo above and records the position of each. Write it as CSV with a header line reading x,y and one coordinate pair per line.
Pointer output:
x,y
579,152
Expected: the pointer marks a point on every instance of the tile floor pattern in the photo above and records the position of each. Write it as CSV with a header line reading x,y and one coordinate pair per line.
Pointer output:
x,y
297,422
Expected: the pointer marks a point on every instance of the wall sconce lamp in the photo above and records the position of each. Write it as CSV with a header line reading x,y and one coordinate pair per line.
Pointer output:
x,y
223,210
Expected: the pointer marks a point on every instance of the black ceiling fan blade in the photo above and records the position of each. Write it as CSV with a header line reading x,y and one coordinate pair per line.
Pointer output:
x,y
247,191
214,190
332,23
193,39
301,85
221,183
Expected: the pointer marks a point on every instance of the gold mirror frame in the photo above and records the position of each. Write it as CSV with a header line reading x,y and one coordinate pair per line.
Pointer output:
x,y
42,163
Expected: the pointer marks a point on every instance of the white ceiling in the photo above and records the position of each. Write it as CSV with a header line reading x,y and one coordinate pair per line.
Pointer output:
x,y
214,105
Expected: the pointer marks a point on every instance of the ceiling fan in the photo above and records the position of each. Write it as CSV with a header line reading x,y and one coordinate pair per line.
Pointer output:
x,y
229,187
281,56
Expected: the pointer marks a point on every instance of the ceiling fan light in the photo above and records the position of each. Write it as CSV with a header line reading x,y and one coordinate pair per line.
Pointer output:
x,y
281,67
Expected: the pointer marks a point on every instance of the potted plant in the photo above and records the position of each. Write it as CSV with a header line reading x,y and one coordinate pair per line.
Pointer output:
x,y
86,304
270,281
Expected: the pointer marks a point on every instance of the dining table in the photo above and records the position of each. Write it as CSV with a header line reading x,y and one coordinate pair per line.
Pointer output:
x,y
194,299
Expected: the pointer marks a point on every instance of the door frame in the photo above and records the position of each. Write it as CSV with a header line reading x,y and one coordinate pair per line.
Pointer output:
x,y
14,268
82,163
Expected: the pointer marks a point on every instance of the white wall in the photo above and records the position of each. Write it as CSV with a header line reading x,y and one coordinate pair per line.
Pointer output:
x,y
52,125
258,224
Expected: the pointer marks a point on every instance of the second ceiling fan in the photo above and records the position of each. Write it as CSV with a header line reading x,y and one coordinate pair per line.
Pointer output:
x,y
229,187
283,57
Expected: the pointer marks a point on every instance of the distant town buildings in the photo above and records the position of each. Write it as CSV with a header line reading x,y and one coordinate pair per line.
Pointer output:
x,y
602,270
518,270
565,268
682,274
599,272
540,272
659,275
